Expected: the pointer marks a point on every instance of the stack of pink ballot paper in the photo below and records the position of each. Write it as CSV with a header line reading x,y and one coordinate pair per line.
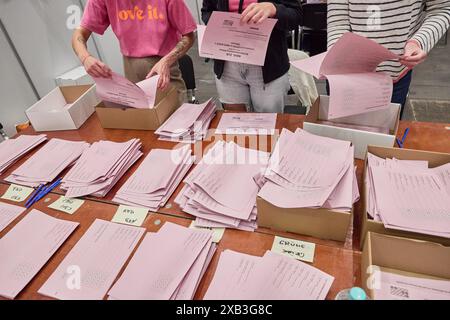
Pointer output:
x,y
189,123
8,213
28,247
349,66
100,167
241,276
309,171
167,265
90,268
152,184
47,163
11,150
221,190
407,195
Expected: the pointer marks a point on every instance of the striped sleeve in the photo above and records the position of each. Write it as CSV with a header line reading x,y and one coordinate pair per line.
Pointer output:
x,y
435,24
338,21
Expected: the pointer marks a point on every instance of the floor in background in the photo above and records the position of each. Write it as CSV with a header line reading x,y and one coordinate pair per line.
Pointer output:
x,y
429,97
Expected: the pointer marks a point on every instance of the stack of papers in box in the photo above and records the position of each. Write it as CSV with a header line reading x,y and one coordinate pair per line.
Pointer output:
x,y
11,150
156,179
272,277
189,123
45,165
100,167
167,265
221,190
90,268
407,195
309,171
27,247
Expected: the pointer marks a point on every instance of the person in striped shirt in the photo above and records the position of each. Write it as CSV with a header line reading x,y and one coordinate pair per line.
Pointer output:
x,y
409,28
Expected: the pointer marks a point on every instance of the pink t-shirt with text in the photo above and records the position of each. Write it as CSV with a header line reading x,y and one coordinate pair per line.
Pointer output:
x,y
144,27
233,5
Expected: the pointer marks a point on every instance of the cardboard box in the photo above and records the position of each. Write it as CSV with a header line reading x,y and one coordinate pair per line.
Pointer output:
x,y
64,108
320,223
140,119
360,139
403,256
434,159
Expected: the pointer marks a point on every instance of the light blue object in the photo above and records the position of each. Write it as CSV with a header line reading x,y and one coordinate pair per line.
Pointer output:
x,y
356,293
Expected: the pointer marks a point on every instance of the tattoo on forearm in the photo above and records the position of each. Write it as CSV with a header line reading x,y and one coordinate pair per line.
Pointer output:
x,y
81,40
181,48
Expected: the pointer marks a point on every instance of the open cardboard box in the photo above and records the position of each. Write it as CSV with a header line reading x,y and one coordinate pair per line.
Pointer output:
x,y
119,117
388,118
403,256
434,159
319,223
64,108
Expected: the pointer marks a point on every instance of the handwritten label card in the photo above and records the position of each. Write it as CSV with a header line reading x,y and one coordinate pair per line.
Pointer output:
x,y
67,205
217,232
17,193
296,249
130,215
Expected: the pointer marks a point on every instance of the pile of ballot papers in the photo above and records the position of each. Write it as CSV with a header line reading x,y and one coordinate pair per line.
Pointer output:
x,y
309,171
241,276
189,123
221,190
100,167
45,165
12,149
407,195
156,179
167,265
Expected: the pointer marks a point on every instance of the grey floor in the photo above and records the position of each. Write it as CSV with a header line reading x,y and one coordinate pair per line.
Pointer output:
x,y
429,96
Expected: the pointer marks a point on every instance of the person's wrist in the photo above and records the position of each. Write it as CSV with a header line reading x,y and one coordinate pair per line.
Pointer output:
x,y
273,12
83,59
415,42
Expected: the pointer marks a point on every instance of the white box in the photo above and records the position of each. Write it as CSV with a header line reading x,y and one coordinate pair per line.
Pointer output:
x,y
361,139
75,77
64,108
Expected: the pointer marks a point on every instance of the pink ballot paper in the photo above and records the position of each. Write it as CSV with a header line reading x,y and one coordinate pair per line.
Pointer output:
x,y
97,258
122,91
8,213
238,42
350,67
161,263
27,247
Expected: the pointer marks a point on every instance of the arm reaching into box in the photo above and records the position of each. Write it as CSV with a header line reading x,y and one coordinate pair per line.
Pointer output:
x,y
93,66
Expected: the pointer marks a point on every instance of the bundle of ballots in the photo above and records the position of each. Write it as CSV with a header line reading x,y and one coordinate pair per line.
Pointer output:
x,y
11,150
156,179
310,171
100,167
221,190
407,195
189,123
48,162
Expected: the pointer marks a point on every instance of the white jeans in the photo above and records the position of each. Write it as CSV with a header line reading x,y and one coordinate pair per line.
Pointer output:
x,y
243,84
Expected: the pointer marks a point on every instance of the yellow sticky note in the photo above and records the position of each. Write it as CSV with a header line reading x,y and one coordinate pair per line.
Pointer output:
x,y
130,215
300,250
67,205
217,232
17,193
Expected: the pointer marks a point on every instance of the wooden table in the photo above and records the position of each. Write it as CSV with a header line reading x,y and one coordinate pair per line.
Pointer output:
x,y
340,259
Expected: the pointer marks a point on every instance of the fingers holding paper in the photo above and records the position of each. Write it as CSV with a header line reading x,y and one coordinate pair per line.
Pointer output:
x,y
258,12
413,54
96,68
162,68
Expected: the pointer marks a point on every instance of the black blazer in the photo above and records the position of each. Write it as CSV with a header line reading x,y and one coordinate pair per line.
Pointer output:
x,y
276,63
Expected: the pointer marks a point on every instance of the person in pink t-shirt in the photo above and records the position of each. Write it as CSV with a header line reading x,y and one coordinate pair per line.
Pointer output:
x,y
153,35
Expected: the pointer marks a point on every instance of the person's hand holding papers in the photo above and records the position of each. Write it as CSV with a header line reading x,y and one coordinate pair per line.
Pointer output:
x,y
96,68
161,68
258,12
413,55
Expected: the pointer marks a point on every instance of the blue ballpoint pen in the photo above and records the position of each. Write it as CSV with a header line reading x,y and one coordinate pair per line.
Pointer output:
x,y
44,192
33,195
